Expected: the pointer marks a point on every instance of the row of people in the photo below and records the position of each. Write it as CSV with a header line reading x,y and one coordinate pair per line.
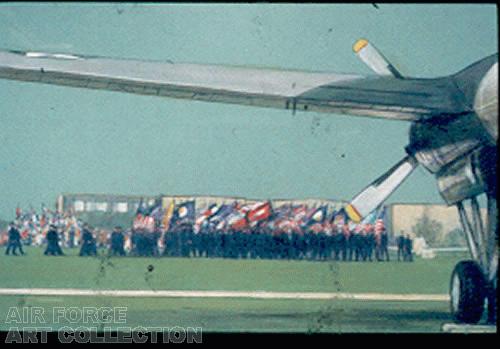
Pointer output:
x,y
259,243
263,243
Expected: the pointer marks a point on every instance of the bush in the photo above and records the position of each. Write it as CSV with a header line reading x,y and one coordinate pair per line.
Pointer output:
x,y
430,229
454,238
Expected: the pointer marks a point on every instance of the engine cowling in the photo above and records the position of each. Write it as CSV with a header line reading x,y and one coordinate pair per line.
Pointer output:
x,y
469,176
438,142
462,179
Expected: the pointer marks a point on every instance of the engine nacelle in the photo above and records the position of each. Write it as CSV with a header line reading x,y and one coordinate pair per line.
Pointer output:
x,y
469,176
462,179
438,142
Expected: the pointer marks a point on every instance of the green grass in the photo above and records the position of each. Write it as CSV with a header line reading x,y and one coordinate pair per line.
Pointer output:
x,y
36,270
250,315
71,271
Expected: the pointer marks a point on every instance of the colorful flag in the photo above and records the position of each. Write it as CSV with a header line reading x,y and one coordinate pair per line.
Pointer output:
x,y
205,216
221,214
184,214
259,212
238,218
380,223
154,207
138,221
238,223
141,208
168,216
149,223
299,214
156,211
318,215
339,217
280,216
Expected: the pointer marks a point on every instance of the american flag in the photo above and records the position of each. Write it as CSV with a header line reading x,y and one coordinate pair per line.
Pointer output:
x,y
380,222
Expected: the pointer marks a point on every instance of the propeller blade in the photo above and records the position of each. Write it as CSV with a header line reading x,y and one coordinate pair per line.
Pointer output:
x,y
374,59
377,192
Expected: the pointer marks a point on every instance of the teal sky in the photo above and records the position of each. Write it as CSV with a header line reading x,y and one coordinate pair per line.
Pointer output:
x,y
57,139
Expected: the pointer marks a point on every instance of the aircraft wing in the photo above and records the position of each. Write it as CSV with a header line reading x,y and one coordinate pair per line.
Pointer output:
x,y
376,96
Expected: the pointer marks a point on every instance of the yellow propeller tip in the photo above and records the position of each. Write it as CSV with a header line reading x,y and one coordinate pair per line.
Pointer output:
x,y
353,213
359,45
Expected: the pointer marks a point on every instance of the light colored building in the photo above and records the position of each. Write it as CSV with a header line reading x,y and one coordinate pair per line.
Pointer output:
x,y
116,203
403,217
82,202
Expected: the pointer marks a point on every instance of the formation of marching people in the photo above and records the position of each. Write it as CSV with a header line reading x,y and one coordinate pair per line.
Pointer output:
x,y
263,243
227,231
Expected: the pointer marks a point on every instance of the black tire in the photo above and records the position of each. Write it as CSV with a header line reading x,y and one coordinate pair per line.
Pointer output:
x,y
467,292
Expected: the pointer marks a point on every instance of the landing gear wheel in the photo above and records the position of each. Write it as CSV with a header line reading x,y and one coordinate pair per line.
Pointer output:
x,y
467,292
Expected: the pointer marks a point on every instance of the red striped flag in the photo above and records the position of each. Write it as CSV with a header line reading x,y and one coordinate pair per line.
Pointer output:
x,y
259,212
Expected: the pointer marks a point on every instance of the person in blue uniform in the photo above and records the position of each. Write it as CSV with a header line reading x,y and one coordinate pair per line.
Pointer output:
x,y
53,247
401,247
14,240
117,242
89,247
384,245
408,248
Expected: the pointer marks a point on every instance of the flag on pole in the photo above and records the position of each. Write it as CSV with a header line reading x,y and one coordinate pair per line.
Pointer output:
x,y
238,218
138,222
259,212
299,214
168,216
280,216
339,217
218,219
148,223
380,223
317,216
141,208
205,216
184,214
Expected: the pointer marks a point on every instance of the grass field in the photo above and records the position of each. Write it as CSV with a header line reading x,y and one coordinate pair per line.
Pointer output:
x,y
238,315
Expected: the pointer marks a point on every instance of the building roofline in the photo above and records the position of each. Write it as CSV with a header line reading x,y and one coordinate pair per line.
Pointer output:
x,y
194,196
227,197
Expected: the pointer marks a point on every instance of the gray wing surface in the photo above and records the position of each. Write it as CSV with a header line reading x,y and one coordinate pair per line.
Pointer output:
x,y
376,96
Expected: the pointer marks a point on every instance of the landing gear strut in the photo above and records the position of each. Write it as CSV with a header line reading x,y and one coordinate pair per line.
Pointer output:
x,y
474,281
